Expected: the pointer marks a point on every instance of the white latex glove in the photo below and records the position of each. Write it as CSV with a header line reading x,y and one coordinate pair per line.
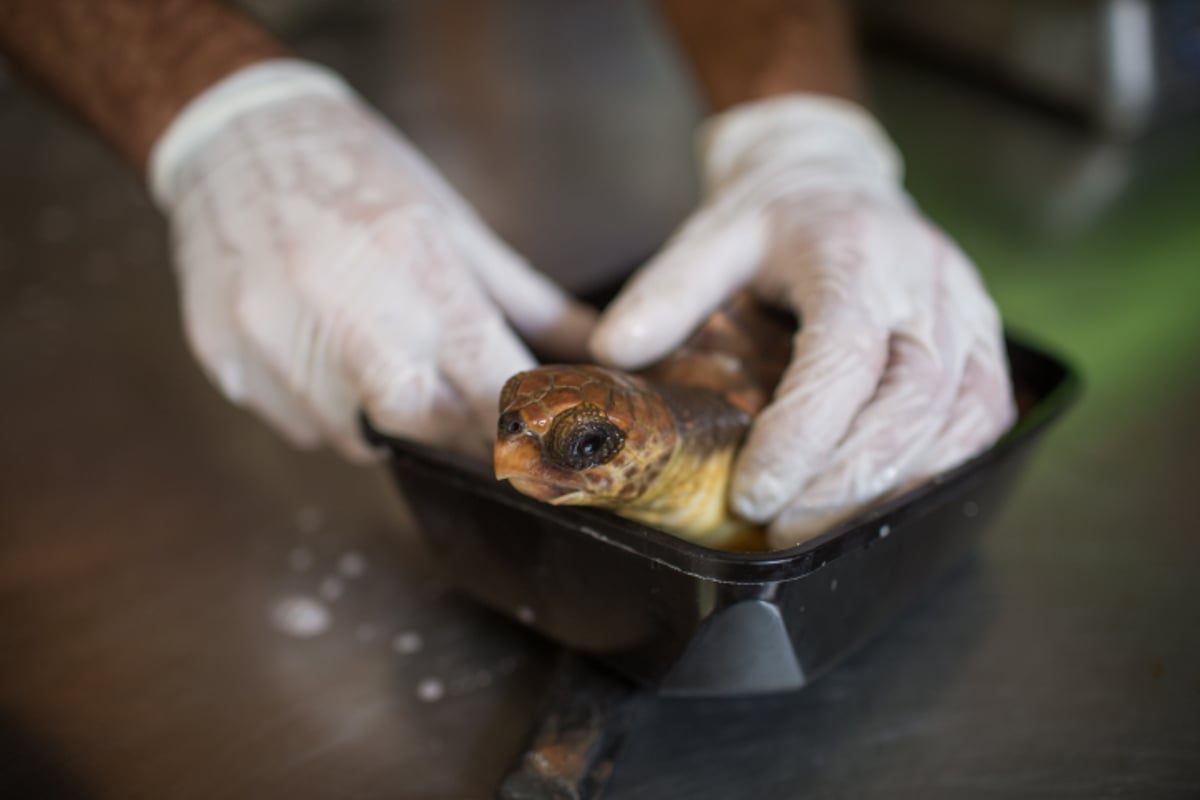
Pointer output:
x,y
898,371
326,267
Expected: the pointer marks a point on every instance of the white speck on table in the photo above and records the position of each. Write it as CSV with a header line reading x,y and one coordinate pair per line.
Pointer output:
x,y
301,616
406,643
331,588
431,690
352,564
479,679
300,559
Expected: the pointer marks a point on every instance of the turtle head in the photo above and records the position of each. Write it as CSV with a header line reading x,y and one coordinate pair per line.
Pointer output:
x,y
581,435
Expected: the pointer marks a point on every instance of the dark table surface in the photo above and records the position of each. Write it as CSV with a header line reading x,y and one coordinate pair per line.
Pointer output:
x,y
190,609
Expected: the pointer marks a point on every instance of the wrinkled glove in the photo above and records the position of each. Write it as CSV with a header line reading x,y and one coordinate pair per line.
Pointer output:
x,y
325,267
898,370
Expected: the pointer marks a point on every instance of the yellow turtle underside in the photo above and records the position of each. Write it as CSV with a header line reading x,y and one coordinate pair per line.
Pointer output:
x,y
689,500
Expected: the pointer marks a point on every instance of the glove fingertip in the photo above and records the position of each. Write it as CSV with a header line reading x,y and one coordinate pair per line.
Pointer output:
x,y
757,495
711,257
798,525
355,449
774,466
566,339
628,341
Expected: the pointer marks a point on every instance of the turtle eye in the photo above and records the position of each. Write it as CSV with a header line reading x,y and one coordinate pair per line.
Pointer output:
x,y
589,445
511,424
583,437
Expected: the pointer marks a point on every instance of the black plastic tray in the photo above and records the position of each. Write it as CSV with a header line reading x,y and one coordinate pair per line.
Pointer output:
x,y
684,619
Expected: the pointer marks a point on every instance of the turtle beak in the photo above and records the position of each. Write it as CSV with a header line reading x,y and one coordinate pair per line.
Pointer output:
x,y
518,460
515,457
546,492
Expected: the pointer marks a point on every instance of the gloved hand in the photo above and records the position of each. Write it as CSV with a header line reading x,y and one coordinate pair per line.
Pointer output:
x,y
326,267
898,371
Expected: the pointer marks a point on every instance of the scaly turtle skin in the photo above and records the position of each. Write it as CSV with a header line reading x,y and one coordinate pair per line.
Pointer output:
x,y
656,446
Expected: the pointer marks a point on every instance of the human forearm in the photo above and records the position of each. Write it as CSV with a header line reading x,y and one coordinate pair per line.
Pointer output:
x,y
128,66
761,48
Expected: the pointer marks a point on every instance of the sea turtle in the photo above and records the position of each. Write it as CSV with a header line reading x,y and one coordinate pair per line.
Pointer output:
x,y
656,446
